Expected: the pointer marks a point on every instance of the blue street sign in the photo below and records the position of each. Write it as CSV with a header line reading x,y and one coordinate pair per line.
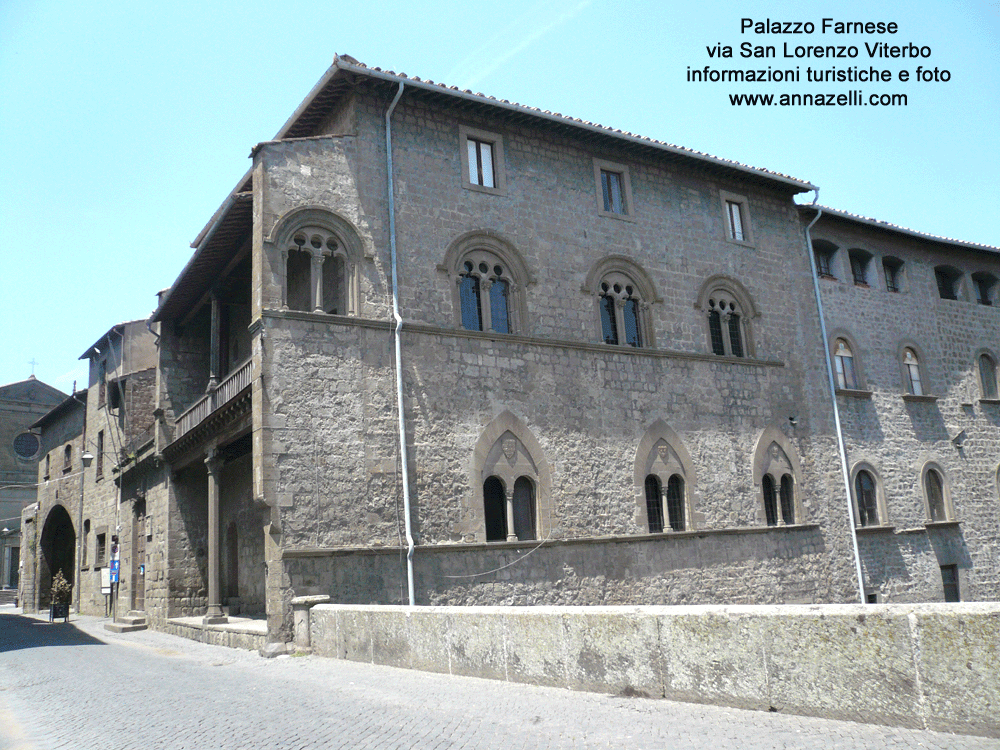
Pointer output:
x,y
114,571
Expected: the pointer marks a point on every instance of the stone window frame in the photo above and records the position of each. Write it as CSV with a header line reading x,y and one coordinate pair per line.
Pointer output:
x,y
17,444
763,462
880,501
947,507
482,244
647,457
466,134
622,170
67,458
729,200
349,246
987,395
101,547
503,423
85,544
731,291
904,373
626,272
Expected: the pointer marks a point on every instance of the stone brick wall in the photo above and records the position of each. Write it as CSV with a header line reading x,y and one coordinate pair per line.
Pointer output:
x,y
895,438
328,450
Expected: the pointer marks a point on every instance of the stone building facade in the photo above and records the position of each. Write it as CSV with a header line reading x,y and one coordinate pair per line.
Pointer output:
x,y
93,476
914,336
441,348
21,403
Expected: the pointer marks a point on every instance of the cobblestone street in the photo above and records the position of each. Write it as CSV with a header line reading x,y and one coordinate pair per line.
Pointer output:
x,y
80,687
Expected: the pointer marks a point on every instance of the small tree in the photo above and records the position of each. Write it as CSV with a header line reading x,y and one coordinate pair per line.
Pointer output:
x,y
62,590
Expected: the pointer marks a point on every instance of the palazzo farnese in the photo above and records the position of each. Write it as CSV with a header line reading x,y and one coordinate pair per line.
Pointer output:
x,y
605,355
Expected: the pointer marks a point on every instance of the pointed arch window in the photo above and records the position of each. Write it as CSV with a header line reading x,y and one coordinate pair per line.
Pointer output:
x,y
663,471
770,500
510,491
776,469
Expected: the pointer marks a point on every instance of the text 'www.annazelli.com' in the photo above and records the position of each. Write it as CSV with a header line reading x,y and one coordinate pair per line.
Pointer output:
x,y
853,98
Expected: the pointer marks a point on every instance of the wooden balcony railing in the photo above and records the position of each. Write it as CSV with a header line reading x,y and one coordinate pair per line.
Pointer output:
x,y
225,392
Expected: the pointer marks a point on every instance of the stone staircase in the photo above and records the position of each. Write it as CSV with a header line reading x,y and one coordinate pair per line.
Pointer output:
x,y
8,596
127,623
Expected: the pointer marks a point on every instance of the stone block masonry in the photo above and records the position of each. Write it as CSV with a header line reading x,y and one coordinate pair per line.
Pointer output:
x,y
930,666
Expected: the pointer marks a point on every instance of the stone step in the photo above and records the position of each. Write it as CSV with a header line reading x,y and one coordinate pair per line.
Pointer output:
x,y
127,623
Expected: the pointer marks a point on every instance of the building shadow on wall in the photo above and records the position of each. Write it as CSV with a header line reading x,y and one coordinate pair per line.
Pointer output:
x,y
928,424
20,632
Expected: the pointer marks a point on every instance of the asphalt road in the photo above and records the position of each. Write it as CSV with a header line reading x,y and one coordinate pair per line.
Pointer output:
x,y
80,687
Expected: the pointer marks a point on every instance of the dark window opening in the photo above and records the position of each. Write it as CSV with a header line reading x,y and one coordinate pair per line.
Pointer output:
x,y
524,509
864,490
770,500
949,580
102,550
675,502
495,508
298,270
823,253
499,305
891,271
787,499
654,505
609,327
67,458
735,336
984,284
935,496
631,315
715,329
100,455
472,313
947,282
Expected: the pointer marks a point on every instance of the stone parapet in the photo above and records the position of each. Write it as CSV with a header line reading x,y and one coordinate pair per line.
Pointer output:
x,y
932,666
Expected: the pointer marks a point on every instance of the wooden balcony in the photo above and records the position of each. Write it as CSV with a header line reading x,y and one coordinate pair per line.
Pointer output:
x,y
226,391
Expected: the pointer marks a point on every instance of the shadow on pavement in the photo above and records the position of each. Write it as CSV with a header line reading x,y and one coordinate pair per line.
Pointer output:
x,y
18,631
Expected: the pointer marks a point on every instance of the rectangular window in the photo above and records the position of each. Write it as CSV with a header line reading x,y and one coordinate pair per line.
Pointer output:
x,y
891,272
736,209
102,386
482,160
614,190
949,578
102,550
481,163
48,465
823,264
735,221
611,189
100,454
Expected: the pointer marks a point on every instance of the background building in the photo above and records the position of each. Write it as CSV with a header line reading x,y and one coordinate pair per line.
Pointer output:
x,y
21,404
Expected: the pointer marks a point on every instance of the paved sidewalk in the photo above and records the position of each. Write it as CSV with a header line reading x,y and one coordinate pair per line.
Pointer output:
x,y
80,687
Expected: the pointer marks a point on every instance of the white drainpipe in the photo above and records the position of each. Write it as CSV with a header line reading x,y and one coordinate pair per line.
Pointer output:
x,y
845,469
399,355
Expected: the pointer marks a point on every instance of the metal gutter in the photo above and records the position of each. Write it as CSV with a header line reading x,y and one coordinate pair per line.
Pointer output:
x,y
845,469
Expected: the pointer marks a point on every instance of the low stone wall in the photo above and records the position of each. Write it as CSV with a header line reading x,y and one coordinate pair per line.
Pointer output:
x,y
251,639
933,666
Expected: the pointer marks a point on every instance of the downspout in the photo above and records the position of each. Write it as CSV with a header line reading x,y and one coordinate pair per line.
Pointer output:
x,y
844,466
405,464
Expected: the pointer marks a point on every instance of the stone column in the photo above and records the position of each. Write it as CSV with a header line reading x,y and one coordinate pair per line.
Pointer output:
x,y
284,279
316,279
486,303
214,615
509,498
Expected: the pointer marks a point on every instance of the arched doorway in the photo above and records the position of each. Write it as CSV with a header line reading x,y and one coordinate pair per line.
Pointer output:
x,y
58,546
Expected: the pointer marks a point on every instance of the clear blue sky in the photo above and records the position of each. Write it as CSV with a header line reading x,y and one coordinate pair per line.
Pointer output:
x,y
124,125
